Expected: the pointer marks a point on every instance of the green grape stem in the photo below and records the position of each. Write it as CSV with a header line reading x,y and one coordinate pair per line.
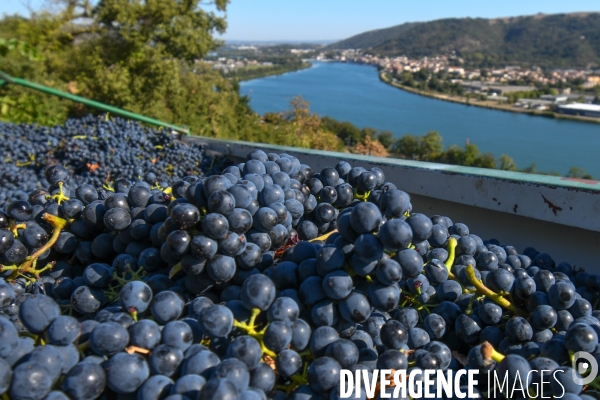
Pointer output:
x,y
451,255
60,197
495,297
361,196
250,328
489,353
29,265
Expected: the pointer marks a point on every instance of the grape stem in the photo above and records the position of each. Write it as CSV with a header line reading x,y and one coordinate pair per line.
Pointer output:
x,y
361,196
175,269
136,349
60,197
417,304
469,310
299,379
451,255
323,237
305,353
495,297
489,353
15,229
82,347
112,292
133,312
250,328
572,357
29,265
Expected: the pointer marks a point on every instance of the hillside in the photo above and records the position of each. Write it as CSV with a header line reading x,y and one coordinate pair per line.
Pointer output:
x,y
559,40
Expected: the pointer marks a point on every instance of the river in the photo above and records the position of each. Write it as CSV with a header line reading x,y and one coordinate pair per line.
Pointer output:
x,y
352,92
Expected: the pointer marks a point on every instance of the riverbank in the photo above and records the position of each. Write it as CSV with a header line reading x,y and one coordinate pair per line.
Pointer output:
x,y
257,72
486,103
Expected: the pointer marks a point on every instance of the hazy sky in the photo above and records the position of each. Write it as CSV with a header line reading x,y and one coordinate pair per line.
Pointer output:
x,y
339,19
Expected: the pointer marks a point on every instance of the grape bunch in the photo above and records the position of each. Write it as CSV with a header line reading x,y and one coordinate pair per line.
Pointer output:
x,y
264,281
96,151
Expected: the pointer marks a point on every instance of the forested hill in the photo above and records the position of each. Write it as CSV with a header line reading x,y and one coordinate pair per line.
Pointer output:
x,y
558,40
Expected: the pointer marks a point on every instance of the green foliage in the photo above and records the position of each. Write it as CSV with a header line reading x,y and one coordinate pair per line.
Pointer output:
x,y
140,56
300,128
513,97
386,138
506,163
578,173
20,105
423,80
561,40
429,147
346,131
407,147
25,49
181,29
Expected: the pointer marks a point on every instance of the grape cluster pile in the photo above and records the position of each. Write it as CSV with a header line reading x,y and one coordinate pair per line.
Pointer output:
x,y
264,282
95,150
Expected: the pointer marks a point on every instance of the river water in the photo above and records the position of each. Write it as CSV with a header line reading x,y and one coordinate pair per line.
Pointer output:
x,y
351,92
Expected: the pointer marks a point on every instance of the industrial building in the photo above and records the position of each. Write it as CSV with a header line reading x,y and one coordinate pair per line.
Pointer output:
x,y
581,109
480,87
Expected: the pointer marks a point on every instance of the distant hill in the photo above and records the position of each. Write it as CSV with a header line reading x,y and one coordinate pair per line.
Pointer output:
x,y
558,40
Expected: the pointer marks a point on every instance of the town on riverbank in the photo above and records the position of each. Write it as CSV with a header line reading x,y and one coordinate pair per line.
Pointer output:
x,y
246,61
560,93
572,93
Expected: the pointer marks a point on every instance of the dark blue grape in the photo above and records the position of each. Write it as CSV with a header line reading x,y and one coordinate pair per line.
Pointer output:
x,y
37,313
324,374
355,308
581,337
30,381
219,389
156,387
166,306
121,365
63,331
365,218
246,349
258,291
9,338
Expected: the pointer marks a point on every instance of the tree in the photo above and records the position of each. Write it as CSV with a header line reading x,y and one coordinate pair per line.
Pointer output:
x,y
346,131
300,128
386,138
180,29
369,146
20,105
530,169
578,173
407,146
134,55
454,155
470,155
486,160
506,163
431,146
368,131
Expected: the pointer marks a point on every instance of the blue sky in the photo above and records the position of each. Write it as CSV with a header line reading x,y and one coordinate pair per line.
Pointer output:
x,y
339,19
